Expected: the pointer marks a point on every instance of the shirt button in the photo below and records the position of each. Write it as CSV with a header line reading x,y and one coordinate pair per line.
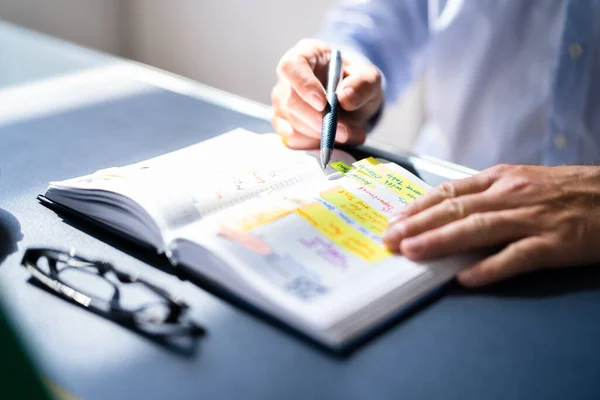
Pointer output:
x,y
560,141
575,51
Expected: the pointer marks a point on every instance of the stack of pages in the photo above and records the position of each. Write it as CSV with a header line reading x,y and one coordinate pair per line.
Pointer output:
x,y
268,224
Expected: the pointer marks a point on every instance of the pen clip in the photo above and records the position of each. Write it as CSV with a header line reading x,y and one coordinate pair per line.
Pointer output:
x,y
334,73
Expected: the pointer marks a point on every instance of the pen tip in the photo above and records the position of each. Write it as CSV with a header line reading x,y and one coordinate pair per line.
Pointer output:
x,y
325,157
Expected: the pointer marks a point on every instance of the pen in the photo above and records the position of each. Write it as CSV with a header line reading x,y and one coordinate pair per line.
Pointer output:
x,y
330,114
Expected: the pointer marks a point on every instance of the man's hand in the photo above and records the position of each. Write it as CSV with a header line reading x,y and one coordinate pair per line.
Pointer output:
x,y
542,216
298,98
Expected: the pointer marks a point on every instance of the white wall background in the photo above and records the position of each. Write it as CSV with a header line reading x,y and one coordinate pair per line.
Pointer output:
x,y
230,44
93,23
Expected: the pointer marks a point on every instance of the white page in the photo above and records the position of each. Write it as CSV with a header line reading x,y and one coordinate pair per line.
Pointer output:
x,y
182,187
288,260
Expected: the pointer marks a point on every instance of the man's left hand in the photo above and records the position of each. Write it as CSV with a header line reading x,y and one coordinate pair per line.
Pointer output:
x,y
540,216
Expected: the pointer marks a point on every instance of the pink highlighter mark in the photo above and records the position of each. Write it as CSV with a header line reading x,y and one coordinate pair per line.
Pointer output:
x,y
247,240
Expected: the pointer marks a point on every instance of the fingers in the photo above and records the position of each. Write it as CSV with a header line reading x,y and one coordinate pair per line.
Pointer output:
x,y
523,256
301,113
294,137
298,66
299,96
299,124
479,230
362,85
448,190
299,142
447,211
301,110
294,134
291,138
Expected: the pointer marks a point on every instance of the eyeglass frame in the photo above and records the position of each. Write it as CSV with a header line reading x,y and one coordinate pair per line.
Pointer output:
x,y
113,311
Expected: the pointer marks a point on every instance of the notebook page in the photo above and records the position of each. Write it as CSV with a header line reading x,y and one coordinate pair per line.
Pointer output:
x,y
309,245
184,186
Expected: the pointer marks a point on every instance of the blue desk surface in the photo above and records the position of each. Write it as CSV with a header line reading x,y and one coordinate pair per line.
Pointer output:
x,y
533,337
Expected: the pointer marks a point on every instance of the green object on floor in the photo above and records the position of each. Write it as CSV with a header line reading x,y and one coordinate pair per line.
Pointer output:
x,y
18,378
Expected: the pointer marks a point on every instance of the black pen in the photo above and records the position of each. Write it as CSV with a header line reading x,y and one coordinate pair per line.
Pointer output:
x,y
330,114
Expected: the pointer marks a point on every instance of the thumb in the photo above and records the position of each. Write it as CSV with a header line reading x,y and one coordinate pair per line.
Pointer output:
x,y
361,85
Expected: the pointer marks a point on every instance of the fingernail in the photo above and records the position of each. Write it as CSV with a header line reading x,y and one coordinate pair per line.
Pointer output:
x,y
342,133
285,127
407,209
468,277
400,229
394,232
316,101
414,245
396,217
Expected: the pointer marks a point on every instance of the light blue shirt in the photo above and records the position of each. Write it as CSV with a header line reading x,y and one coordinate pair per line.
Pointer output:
x,y
507,81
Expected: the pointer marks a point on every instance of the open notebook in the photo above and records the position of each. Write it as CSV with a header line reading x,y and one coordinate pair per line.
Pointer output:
x,y
301,244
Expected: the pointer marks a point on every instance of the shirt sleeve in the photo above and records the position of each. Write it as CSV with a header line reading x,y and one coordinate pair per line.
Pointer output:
x,y
391,34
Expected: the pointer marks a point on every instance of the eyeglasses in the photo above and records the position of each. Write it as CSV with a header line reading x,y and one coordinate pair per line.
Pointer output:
x,y
116,295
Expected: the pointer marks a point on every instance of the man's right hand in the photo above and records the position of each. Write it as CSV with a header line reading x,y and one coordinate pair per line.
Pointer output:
x,y
298,98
